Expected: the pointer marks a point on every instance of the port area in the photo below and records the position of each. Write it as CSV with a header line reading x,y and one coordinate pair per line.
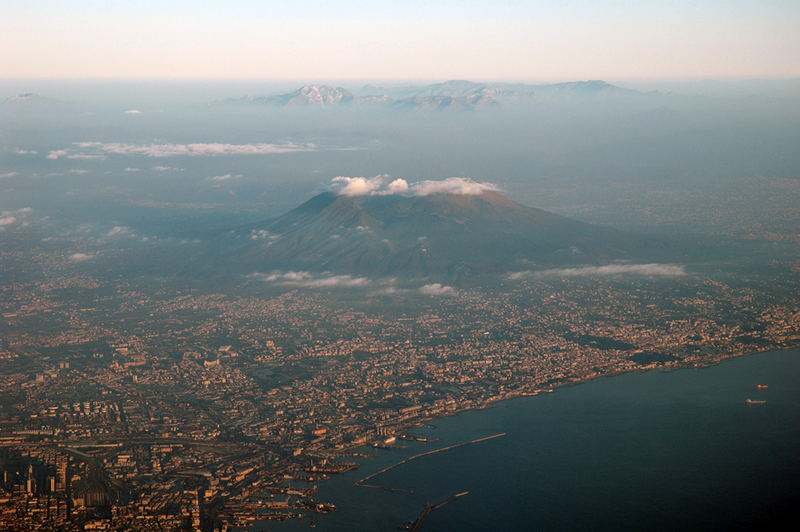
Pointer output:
x,y
364,481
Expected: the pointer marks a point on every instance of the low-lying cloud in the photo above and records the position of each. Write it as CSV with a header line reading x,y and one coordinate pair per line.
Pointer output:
x,y
86,156
194,149
303,279
648,270
81,257
120,230
436,289
18,216
263,234
226,177
327,280
57,154
383,185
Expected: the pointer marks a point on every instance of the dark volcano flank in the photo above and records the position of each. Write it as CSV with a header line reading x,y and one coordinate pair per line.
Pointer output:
x,y
446,236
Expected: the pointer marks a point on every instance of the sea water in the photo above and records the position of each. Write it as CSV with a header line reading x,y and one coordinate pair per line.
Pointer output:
x,y
646,450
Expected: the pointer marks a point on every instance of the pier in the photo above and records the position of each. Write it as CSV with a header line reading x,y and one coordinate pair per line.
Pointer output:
x,y
363,482
416,526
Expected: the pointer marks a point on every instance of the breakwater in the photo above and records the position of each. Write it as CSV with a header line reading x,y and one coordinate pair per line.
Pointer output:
x,y
363,482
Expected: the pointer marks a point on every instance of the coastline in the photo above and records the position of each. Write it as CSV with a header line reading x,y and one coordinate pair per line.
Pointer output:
x,y
665,368
493,402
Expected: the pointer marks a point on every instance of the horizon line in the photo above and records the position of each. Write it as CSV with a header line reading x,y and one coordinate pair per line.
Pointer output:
x,y
666,79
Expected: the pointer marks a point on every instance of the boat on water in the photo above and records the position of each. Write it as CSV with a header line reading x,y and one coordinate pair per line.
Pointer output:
x,y
755,401
762,386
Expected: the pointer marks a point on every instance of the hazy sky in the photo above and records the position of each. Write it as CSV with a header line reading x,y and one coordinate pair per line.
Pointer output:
x,y
310,39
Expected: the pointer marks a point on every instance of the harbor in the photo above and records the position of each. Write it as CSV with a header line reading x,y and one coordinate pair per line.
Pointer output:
x,y
416,525
363,482
613,430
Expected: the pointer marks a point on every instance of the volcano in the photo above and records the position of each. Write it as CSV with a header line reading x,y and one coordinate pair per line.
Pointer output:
x,y
448,236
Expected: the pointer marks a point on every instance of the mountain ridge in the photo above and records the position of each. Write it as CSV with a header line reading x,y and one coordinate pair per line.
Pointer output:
x,y
451,94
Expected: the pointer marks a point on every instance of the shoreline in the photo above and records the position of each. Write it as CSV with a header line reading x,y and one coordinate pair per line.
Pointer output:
x,y
476,405
359,483
494,401
664,368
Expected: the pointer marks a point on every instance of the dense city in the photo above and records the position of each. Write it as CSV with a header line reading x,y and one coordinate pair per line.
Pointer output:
x,y
129,406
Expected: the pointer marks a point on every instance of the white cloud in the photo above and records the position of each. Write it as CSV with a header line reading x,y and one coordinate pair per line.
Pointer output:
x,y
452,185
21,151
225,177
8,218
388,291
308,280
55,154
359,186
81,257
85,156
133,112
337,280
166,169
120,230
263,234
376,186
436,289
78,171
129,169
398,186
210,149
653,270
8,174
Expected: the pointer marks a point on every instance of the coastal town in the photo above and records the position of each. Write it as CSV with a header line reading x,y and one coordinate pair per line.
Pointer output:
x,y
132,407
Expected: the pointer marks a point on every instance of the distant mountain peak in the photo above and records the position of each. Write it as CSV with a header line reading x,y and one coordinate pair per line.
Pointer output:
x,y
589,87
452,94
28,98
321,94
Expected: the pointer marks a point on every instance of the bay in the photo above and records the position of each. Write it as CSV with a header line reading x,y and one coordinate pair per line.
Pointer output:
x,y
647,450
